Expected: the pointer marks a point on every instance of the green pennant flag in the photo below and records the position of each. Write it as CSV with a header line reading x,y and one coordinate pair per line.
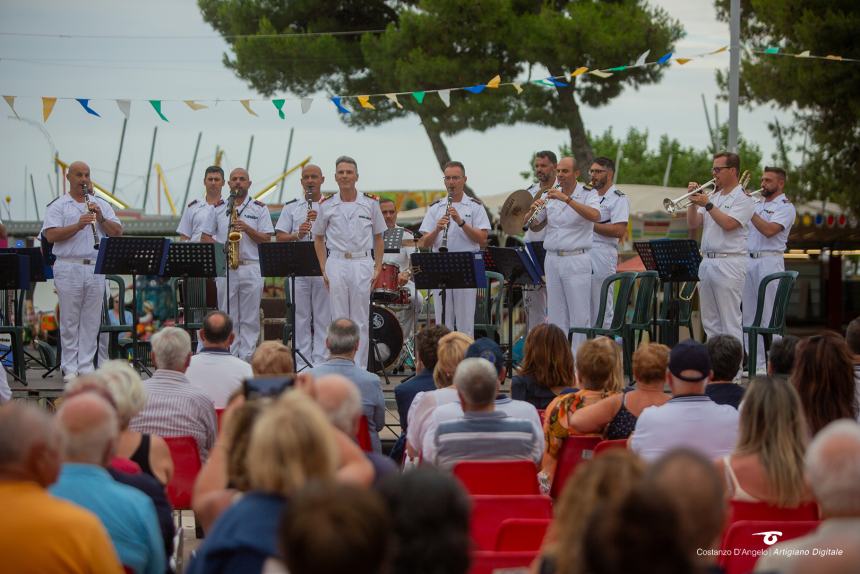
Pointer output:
x,y
772,50
419,97
156,105
616,69
279,104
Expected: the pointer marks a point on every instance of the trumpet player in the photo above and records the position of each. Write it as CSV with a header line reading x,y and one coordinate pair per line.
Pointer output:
x,y
570,212
535,299
461,223
313,315
724,215
768,235
253,222
74,223
614,213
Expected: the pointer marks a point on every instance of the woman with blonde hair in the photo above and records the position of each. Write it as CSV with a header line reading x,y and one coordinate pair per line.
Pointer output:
x,y
767,463
272,358
547,368
450,352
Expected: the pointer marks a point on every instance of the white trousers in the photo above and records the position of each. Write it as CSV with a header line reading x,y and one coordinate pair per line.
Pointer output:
x,y
406,316
721,282
349,297
757,270
246,292
459,309
313,317
568,289
81,295
534,301
604,262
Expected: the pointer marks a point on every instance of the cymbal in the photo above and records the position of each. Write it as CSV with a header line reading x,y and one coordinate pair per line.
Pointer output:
x,y
513,210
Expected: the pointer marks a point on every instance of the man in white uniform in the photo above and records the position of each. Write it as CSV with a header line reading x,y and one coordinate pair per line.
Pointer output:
x,y
246,284
570,213
197,212
404,278
534,299
69,226
468,227
725,216
771,224
614,213
313,315
350,224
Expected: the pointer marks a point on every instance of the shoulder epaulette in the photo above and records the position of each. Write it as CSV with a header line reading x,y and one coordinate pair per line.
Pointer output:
x,y
372,196
291,201
193,202
325,198
476,200
439,201
260,203
52,201
618,192
784,200
587,186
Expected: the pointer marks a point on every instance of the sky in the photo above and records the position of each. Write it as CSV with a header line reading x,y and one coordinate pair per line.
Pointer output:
x,y
396,155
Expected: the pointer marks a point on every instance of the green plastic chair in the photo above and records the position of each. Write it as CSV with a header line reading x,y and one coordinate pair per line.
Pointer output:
x,y
685,309
625,282
643,313
114,331
776,325
488,309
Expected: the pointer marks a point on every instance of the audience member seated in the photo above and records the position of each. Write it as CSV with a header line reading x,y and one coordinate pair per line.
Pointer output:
x,y
767,463
616,416
173,406
43,533
291,444
483,433
213,369
331,528
272,358
342,341
488,349
451,350
727,354
780,359
547,367
430,513
833,471
599,374
89,427
852,337
690,418
824,378
594,486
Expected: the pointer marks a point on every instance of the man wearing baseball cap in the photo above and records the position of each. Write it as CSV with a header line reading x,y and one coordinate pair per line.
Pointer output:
x,y
690,419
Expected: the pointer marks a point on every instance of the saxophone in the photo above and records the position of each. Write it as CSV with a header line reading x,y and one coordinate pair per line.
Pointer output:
x,y
233,236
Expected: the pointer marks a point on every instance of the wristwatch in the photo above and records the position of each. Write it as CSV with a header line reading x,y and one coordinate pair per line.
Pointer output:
x,y
462,223
709,206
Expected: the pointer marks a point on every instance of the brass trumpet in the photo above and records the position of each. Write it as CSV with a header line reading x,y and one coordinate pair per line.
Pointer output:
x,y
673,206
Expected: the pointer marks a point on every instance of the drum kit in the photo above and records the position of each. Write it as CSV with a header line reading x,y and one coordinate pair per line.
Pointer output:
x,y
392,346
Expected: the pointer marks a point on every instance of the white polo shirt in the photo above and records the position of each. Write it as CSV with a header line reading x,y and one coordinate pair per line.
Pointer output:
x,y
614,207
472,212
779,210
736,204
194,219
65,211
254,213
349,226
218,374
567,230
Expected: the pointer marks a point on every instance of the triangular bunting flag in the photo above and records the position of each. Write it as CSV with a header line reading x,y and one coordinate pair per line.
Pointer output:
x,y
665,58
554,82
393,99
306,104
47,107
336,101
803,54
364,102
578,72
247,105
832,57
419,96
717,51
279,104
772,50
475,89
600,73
445,96
518,88
640,61
682,61
494,83
194,105
616,69
11,101
125,107
85,103
156,105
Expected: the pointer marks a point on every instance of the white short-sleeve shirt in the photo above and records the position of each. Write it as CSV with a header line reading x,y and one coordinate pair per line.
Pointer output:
x,y
349,226
254,213
65,211
194,219
566,230
472,212
779,210
293,215
614,207
536,235
738,205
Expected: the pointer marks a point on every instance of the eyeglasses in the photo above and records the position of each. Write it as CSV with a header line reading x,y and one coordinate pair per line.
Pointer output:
x,y
596,171
453,177
718,168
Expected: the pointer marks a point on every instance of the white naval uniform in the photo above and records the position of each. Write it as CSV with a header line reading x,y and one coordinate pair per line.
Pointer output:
x,y
724,265
569,238
80,291
766,257
534,298
614,208
459,303
349,228
246,280
313,315
406,317
194,219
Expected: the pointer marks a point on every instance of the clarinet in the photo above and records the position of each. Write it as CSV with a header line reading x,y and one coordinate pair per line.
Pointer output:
x,y
90,209
309,198
444,247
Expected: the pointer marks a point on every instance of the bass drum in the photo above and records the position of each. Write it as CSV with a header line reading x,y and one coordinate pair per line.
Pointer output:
x,y
386,339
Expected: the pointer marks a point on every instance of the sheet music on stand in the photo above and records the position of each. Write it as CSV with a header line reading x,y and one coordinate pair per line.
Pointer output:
x,y
538,254
392,240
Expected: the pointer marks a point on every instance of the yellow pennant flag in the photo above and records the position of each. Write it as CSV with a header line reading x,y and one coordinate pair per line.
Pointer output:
x,y
47,107
195,106
365,103
11,101
600,73
494,83
518,88
717,51
247,105
682,61
578,72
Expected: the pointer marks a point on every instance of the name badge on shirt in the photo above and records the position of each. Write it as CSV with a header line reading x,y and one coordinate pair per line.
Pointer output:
x,y
364,217
249,216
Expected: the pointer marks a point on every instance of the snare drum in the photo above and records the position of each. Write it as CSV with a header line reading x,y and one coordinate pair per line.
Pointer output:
x,y
385,287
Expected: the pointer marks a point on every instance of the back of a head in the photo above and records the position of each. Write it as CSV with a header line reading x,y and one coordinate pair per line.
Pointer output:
x,y
599,366
291,444
272,358
650,361
126,387
329,528
217,326
450,351
430,522
340,400
172,348
24,429
237,434
780,358
427,344
548,358
342,337
477,382
833,469
89,427
726,354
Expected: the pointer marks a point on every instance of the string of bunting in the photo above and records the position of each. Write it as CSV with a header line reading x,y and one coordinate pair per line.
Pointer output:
x,y
364,101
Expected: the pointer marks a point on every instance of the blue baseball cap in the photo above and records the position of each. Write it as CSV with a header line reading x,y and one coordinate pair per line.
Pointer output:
x,y
485,348
690,355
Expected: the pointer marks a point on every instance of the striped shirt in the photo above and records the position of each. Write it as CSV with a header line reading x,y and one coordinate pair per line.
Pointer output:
x,y
175,408
485,436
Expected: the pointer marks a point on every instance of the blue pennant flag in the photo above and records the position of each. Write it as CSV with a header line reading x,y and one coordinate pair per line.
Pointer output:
x,y
85,103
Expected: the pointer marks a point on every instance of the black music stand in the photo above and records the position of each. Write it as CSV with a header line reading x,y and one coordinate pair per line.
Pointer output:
x,y
538,254
675,261
186,259
448,270
133,256
15,276
290,259
517,268
392,240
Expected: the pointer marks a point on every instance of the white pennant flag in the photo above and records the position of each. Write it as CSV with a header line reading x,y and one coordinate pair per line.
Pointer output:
x,y
306,104
393,99
445,96
640,61
124,106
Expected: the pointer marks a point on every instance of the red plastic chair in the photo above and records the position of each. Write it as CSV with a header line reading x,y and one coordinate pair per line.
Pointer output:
x,y
363,435
574,450
605,445
498,476
521,534
740,510
748,535
218,414
542,415
490,511
186,465
484,562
